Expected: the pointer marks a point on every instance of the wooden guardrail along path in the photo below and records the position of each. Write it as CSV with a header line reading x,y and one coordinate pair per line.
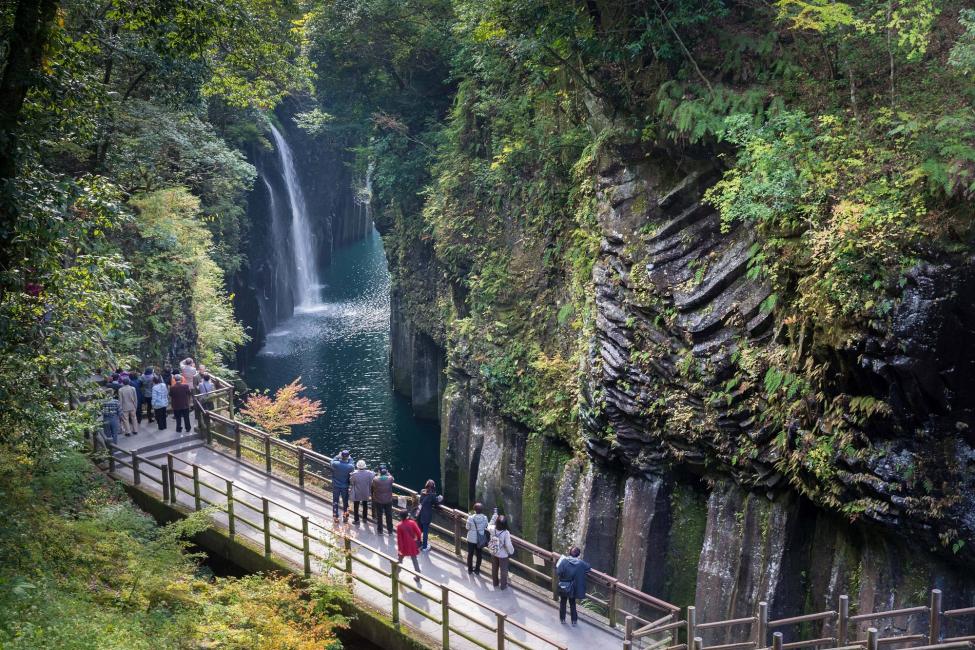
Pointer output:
x,y
277,495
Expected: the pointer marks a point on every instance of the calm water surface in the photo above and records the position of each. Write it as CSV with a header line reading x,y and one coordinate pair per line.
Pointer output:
x,y
340,349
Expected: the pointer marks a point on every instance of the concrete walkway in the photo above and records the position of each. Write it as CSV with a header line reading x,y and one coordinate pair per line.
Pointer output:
x,y
523,605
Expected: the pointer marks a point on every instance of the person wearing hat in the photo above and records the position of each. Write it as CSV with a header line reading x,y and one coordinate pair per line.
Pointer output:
x,y
361,482
382,499
342,468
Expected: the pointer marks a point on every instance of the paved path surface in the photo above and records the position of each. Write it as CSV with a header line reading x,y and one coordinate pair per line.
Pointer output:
x,y
440,566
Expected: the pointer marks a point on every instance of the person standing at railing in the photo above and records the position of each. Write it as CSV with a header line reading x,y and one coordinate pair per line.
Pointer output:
x,y
147,383
407,541
361,485
342,468
502,548
429,499
477,538
128,400
160,401
110,416
571,570
188,369
204,388
181,396
382,499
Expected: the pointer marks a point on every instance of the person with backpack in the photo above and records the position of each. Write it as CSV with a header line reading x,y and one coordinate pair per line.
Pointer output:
x,y
382,499
146,388
428,503
502,548
160,401
571,570
477,538
407,541
110,416
203,388
342,468
361,483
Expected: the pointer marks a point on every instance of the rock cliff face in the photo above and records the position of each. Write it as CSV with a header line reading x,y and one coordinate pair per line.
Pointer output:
x,y
262,290
664,498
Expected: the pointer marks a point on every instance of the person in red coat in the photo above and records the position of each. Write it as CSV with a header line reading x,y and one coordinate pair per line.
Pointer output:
x,y
408,537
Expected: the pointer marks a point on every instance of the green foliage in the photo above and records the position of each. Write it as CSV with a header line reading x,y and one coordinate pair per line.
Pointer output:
x,y
84,568
180,286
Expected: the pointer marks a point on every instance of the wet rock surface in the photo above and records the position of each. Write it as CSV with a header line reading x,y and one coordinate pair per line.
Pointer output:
x,y
674,303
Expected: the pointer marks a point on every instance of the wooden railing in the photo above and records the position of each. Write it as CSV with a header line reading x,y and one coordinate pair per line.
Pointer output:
x,y
834,628
295,536
610,600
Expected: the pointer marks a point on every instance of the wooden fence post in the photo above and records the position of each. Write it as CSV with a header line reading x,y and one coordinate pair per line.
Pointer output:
x,y
165,483
266,510
501,619
691,624
136,479
445,616
934,618
111,460
628,624
842,625
554,559
394,590
699,643
237,438
301,467
305,550
196,486
761,626
172,477
457,533
230,509
611,603
267,453
777,641
872,638
347,541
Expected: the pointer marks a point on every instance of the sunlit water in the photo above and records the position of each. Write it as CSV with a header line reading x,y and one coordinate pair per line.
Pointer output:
x,y
340,349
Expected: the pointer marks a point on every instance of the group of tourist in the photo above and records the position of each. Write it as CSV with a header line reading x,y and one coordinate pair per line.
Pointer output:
x,y
354,481
158,390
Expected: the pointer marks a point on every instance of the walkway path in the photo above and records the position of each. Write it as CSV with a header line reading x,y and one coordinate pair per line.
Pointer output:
x,y
522,604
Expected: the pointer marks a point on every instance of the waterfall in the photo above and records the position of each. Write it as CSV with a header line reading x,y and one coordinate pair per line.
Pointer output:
x,y
306,288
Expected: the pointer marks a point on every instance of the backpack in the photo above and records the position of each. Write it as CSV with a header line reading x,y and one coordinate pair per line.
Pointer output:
x,y
483,538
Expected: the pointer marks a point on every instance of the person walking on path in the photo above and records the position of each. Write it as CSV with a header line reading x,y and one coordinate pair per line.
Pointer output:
x,y
110,416
407,540
342,468
382,499
128,400
571,570
361,483
428,503
477,538
180,397
502,548
160,401
147,384
135,381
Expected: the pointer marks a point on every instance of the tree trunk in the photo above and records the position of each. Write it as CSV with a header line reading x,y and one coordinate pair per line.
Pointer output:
x,y
31,30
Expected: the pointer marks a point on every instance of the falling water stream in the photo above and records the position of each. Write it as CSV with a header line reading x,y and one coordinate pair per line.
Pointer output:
x,y
306,268
338,342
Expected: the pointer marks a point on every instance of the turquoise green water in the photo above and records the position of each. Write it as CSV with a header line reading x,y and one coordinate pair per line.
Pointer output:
x,y
340,349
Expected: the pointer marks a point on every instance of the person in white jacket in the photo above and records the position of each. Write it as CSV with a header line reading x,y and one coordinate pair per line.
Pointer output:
x,y
502,548
477,538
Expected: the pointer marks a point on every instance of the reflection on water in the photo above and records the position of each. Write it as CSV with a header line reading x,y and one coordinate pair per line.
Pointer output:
x,y
340,349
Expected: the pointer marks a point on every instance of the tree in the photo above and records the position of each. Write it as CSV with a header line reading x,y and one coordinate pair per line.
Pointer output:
x,y
286,409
